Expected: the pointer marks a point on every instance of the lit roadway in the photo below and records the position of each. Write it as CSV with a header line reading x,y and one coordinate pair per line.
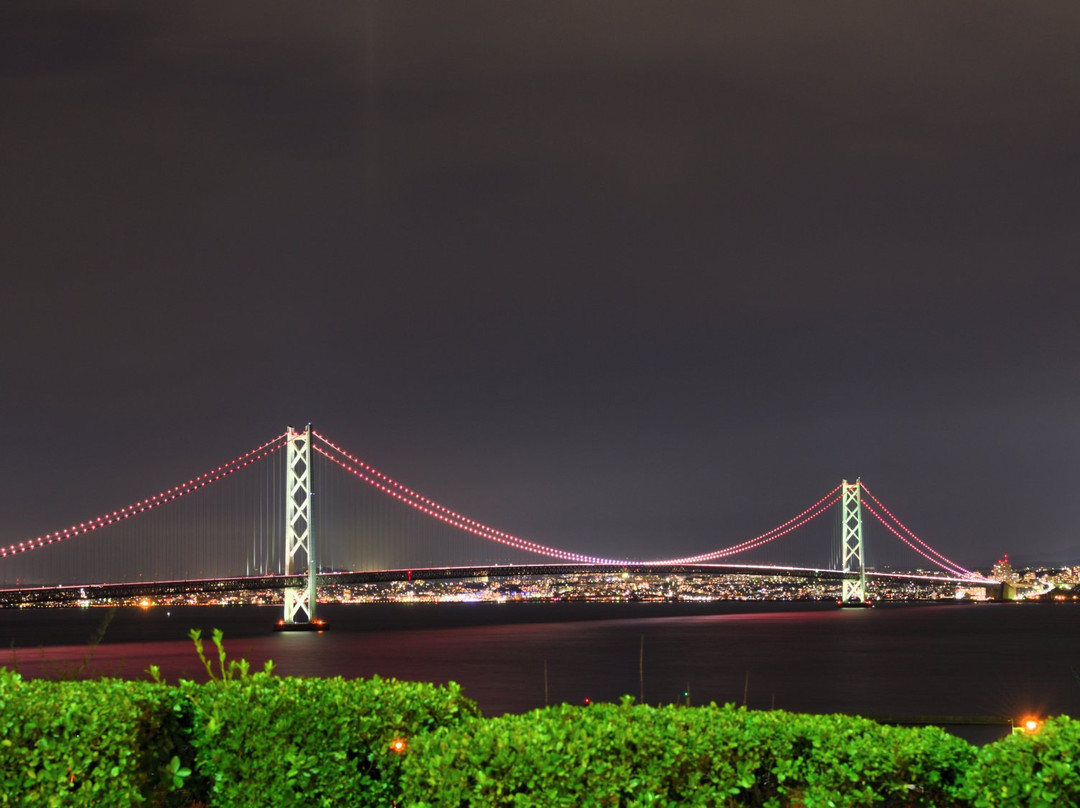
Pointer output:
x,y
213,586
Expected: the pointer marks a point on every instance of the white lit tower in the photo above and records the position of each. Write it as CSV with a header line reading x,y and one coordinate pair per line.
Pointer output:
x,y
851,542
300,601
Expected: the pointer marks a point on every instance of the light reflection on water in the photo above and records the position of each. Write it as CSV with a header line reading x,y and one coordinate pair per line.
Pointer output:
x,y
999,659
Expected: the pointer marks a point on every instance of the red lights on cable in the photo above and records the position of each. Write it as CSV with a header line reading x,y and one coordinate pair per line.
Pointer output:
x,y
960,572
168,495
814,511
406,495
429,507
436,511
944,562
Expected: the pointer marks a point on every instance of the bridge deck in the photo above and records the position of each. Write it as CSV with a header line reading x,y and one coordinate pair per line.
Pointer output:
x,y
115,591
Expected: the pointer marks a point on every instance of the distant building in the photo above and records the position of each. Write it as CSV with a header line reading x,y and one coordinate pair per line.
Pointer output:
x,y
1003,571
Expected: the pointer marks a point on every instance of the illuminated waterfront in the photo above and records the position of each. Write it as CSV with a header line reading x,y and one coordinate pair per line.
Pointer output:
x,y
1057,583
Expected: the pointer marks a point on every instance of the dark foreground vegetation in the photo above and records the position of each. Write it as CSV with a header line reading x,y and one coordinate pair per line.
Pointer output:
x,y
255,739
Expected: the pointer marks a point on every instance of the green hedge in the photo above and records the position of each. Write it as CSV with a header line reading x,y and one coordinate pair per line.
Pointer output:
x,y
258,740
845,760
629,755
248,740
267,741
1039,769
102,743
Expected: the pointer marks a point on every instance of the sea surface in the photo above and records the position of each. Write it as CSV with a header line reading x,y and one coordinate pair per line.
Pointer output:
x,y
1003,660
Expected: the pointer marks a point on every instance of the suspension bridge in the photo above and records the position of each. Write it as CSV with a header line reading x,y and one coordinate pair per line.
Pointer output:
x,y
255,523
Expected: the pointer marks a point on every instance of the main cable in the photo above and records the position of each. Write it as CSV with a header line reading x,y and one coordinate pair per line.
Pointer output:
x,y
944,561
157,500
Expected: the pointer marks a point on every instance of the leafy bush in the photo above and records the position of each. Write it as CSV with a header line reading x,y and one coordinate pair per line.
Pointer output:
x,y
99,743
1037,770
630,755
251,739
245,739
560,756
849,761
266,741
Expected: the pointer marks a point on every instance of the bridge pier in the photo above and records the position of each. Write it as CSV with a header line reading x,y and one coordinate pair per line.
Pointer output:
x,y
300,601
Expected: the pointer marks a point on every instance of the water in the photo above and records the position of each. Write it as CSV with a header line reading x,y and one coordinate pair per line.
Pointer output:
x,y
1004,660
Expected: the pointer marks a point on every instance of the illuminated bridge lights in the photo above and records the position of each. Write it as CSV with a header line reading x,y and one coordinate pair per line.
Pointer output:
x,y
217,587
944,562
430,508
167,495
815,510
443,514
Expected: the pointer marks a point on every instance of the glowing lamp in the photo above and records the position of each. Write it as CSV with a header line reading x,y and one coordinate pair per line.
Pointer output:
x,y
397,746
1031,725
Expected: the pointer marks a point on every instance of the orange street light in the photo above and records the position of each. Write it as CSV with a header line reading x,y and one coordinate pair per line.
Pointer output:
x,y
1032,724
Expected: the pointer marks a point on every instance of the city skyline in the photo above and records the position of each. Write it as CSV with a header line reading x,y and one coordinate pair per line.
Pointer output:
x,y
591,275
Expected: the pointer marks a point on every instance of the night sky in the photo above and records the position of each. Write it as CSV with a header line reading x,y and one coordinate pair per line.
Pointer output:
x,y
628,278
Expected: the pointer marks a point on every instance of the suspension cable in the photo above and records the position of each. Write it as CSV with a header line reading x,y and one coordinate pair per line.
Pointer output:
x,y
814,511
436,511
954,569
943,560
402,493
162,497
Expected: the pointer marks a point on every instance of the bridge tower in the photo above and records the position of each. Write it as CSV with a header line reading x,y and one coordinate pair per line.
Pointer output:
x,y
851,541
300,601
